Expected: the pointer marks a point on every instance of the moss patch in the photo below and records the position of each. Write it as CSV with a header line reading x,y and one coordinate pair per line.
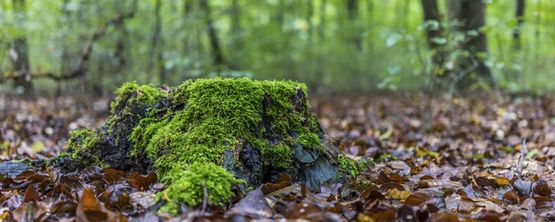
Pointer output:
x,y
190,184
189,132
82,140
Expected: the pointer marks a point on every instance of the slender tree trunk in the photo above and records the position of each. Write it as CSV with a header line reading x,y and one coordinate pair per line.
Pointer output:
x,y
352,15
236,32
187,17
156,44
433,22
65,26
520,6
236,18
309,14
120,51
471,15
19,55
434,34
217,55
322,19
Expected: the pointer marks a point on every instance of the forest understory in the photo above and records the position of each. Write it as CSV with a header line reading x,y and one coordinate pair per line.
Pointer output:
x,y
412,158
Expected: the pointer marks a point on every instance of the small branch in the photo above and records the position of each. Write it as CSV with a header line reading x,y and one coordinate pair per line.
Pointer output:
x,y
84,57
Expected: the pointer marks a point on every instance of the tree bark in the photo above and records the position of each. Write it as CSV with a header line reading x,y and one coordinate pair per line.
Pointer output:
x,y
19,52
120,50
235,18
352,15
434,34
322,20
217,55
433,20
236,32
187,17
156,44
471,15
66,22
519,14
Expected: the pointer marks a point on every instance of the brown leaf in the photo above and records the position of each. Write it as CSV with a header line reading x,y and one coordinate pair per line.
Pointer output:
x,y
112,175
141,182
384,215
485,182
444,217
389,186
302,210
31,194
541,188
90,209
283,181
543,202
416,199
512,197
397,194
502,181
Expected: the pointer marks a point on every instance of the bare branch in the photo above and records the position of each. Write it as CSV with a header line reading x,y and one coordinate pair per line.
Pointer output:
x,y
84,57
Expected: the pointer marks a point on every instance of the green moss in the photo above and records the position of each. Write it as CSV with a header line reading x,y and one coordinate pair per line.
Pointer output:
x,y
279,155
310,140
207,117
82,140
348,166
130,92
189,185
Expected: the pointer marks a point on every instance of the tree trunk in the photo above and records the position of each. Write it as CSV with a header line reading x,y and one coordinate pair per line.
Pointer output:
x,y
217,55
236,32
471,14
309,15
66,22
187,27
352,15
322,20
156,44
235,19
520,7
19,53
434,34
120,50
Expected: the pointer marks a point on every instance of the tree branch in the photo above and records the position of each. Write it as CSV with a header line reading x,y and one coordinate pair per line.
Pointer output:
x,y
84,57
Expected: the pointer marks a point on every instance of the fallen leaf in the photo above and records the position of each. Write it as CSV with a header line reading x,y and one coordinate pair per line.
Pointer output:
x,y
397,194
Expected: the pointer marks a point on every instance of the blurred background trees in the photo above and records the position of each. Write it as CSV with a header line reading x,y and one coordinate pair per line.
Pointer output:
x,y
86,46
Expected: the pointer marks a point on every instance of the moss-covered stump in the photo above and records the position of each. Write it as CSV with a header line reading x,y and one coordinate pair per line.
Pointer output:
x,y
208,133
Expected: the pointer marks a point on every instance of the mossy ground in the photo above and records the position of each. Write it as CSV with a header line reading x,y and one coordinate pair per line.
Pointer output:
x,y
186,131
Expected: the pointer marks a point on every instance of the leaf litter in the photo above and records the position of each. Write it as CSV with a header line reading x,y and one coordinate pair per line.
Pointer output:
x,y
416,159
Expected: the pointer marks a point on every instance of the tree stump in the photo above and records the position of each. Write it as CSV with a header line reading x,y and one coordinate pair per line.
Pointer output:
x,y
208,135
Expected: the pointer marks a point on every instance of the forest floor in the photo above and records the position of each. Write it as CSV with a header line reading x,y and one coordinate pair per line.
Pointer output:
x,y
426,159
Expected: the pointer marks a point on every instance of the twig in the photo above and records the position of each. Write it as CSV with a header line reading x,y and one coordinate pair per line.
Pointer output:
x,y
205,197
523,151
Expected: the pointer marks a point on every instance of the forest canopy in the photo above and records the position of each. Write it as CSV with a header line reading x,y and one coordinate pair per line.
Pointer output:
x,y
332,45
